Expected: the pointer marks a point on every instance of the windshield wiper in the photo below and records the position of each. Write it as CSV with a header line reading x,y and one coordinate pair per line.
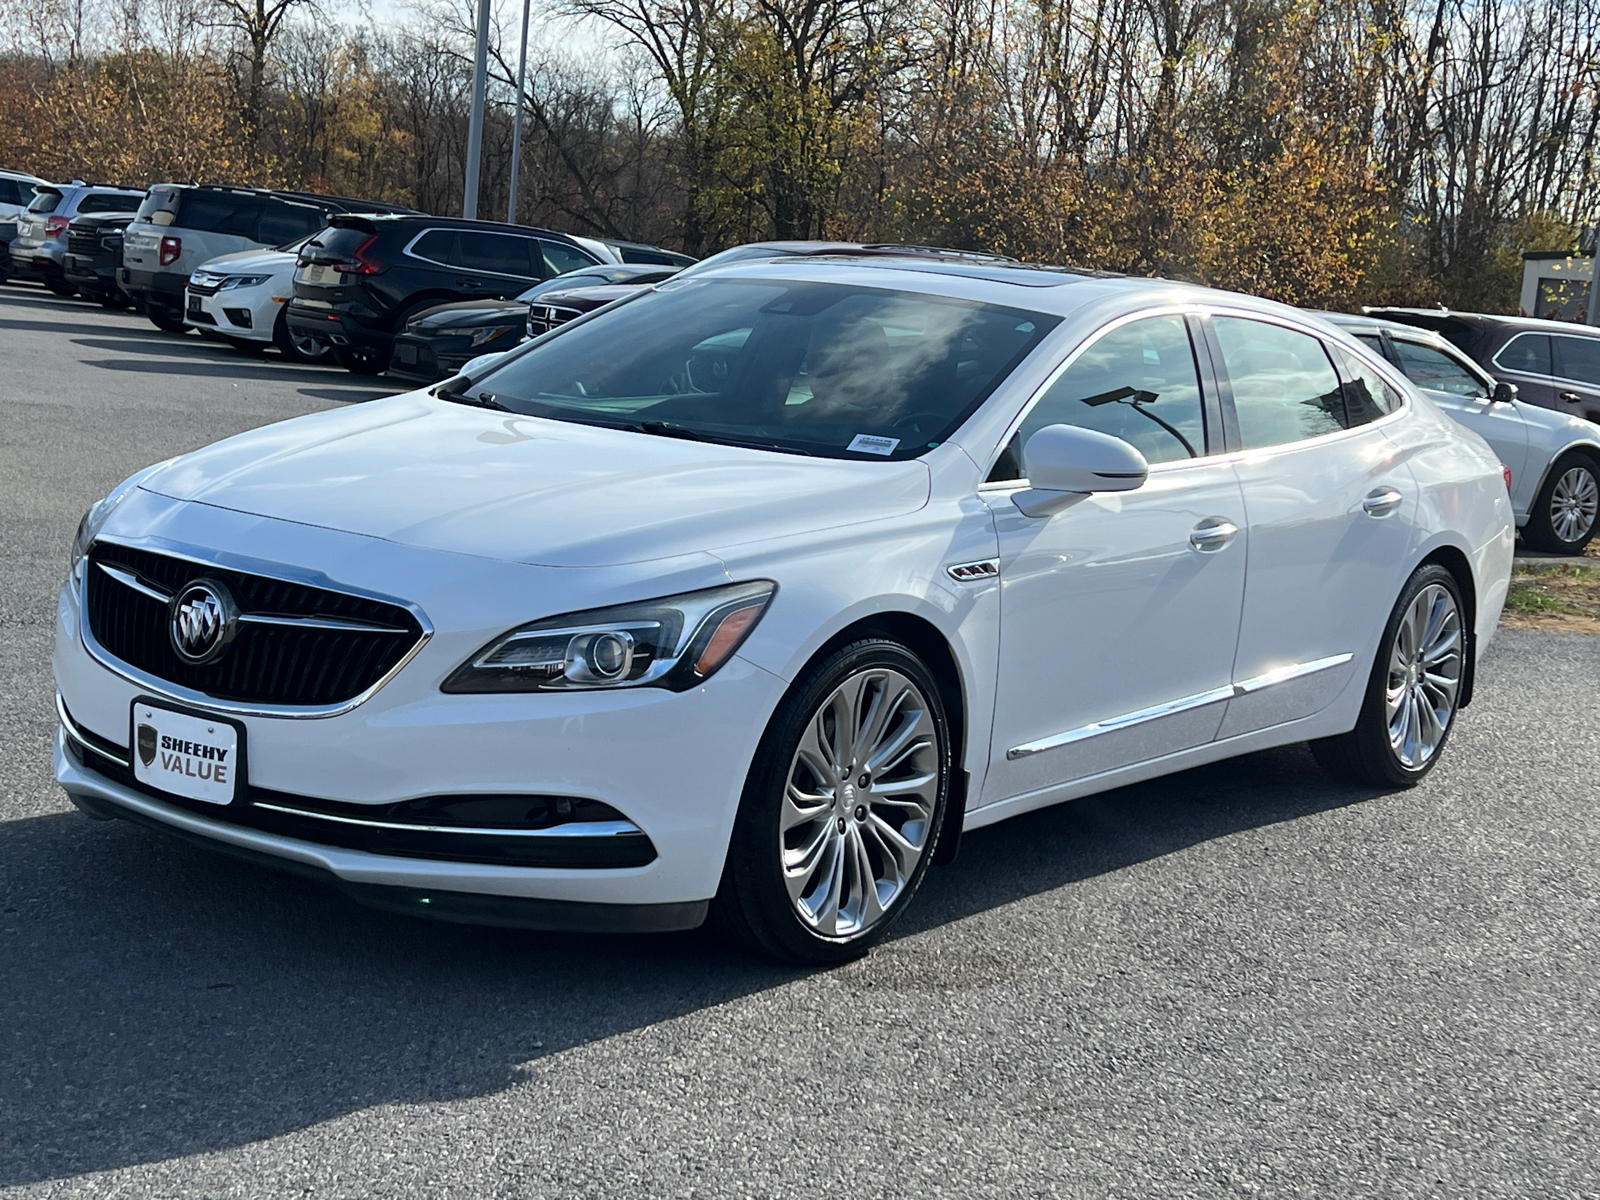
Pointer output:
x,y
482,400
673,430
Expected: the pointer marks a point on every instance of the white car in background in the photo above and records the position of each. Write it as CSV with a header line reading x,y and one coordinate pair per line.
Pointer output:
x,y
756,589
1554,459
243,297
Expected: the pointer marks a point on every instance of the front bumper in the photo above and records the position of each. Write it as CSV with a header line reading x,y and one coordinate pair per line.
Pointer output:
x,y
673,765
430,359
248,314
90,273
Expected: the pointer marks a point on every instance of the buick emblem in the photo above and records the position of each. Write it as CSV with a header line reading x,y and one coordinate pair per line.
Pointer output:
x,y
204,620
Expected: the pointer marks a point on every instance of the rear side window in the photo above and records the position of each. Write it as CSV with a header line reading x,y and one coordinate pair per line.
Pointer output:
x,y
437,245
10,193
1366,396
45,201
1578,358
1284,386
496,254
1431,368
1529,352
1138,383
559,258
219,212
109,202
282,222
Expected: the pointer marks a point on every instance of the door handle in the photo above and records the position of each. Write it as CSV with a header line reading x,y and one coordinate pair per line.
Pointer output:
x,y
1569,397
1212,534
1382,502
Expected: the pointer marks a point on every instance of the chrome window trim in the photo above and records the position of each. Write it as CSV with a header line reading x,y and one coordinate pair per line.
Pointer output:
x,y
234,562
434,262
1552,334
569,829
1155,712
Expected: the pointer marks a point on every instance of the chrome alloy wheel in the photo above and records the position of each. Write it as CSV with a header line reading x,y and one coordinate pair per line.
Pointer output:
x,y
1424,676
858,802
1574,503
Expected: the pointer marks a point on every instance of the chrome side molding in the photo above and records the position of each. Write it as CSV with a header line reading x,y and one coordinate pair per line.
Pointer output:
x,y
118,756
1184,704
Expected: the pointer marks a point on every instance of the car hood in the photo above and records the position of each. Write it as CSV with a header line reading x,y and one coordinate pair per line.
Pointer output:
x,y
259,261
465,312
442,476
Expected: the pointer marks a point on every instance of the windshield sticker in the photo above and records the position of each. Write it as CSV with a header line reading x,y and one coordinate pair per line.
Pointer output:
x,y
866,443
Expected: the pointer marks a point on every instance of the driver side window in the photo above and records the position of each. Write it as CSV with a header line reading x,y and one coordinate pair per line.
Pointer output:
x,y
1139,383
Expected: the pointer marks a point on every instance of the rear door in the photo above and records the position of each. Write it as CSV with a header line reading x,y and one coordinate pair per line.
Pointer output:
x,y
1576,360
495,264
1330,505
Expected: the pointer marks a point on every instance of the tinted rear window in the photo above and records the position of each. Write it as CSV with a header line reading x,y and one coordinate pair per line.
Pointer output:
x,y
45,202
1578,358
283,222
335,244
109,202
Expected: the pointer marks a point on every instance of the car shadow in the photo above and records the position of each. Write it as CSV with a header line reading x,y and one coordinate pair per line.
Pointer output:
x,y
162,1000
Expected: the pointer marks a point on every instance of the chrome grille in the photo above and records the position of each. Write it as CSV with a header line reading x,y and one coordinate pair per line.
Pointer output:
x,y
296,645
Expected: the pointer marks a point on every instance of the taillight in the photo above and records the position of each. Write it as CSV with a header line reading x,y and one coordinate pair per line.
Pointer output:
x,y
359,263
171,248
55,226
1506,471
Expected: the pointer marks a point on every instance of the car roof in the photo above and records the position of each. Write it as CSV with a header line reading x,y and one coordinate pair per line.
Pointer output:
x,y
389,218
1501,320
1371,324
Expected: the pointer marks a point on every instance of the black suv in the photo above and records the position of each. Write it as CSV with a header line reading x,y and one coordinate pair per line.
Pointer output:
x,y
94,256
360,280
181,226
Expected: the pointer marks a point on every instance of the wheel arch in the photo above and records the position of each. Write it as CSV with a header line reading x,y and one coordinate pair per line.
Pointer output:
x,y
1454,559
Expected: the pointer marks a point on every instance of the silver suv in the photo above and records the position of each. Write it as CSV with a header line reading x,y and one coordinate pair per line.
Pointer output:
x,y
182,225
41,241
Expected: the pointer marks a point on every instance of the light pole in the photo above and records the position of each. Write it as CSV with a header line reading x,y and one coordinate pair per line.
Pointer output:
x,y
480,73
516,127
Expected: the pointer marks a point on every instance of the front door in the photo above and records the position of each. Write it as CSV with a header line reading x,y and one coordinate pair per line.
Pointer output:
x,y
1119,615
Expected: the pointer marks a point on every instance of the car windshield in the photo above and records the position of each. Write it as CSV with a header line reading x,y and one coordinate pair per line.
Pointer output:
x,y
837,370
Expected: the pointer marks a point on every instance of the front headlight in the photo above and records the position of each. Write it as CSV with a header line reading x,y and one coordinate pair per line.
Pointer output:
x,y
238,281
483,333
676,642
99,513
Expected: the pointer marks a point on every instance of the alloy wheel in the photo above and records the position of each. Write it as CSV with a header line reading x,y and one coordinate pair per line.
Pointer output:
x,y
858,802
1574,502
1424,676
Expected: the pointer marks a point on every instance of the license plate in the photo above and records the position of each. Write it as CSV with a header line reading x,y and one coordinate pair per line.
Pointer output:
x,y
406,354
194,757
321,274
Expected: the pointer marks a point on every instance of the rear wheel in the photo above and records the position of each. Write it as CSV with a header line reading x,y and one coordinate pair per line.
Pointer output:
x,y
362,360
1567,512
115,300
1413,691
842,808
60,286
168,320
296,346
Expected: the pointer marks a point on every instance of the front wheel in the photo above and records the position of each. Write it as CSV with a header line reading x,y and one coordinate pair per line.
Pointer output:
x,y
842,808
1566,514
166,319
1413,692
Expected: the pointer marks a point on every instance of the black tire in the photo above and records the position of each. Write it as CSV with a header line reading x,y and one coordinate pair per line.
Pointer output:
x,y
112,300
362,361
1541,531
1366,755
753,904
165,319
59,285
297,349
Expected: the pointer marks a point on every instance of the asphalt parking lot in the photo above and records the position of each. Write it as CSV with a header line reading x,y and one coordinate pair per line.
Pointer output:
x,y
1242,980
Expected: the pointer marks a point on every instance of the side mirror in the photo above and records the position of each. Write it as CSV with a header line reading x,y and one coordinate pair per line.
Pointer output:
x,y
1504,393
1065,464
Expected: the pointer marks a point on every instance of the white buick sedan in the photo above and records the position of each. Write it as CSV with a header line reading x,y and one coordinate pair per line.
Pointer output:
x,y
746,596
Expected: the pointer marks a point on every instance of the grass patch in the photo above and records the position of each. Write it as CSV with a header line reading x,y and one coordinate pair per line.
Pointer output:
x,y
1554,597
